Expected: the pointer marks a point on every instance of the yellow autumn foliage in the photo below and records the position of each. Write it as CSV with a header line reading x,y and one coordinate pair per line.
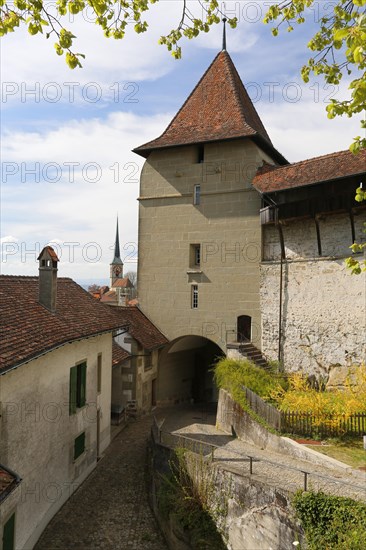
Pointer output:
x,y
328,408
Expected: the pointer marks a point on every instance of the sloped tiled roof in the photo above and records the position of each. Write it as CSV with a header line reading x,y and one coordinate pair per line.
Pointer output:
x,y
119,354
8,481
109,297
219,108
122,283
319,169
28,329
140,327
50,251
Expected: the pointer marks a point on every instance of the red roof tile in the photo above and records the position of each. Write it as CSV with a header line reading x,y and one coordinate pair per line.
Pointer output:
x,y
29,329
219,108
327,167
50,251
119,354
140,327
8,481
122,283
109,297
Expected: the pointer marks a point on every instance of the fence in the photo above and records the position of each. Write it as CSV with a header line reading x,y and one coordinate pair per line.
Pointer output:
x,y
305,424
270,414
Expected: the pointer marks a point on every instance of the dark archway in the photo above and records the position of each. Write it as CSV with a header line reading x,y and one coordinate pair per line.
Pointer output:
x,y
185,371
244,328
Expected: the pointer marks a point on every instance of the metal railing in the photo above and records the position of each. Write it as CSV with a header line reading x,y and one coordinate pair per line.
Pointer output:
x,y
300,477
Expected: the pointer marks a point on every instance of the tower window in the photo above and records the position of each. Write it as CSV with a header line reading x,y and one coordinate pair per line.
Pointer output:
x,y
195,255
201,154
197,194
194,297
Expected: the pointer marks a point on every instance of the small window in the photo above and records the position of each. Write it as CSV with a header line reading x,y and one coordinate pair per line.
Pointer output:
x,y
99,373
79,445
201,153
197,195
194,297
77,387
195,255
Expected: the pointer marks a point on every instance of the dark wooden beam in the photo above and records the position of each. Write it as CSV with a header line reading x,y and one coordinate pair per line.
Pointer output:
x,y
352,219
317,227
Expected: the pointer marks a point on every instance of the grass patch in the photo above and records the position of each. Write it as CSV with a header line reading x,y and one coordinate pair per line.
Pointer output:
x,y
350,452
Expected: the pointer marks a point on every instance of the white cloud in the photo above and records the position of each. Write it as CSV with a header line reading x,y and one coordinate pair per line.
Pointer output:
x,y
78,211
299,127
8,239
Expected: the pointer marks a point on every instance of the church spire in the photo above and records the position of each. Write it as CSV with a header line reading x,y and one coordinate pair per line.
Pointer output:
x,y
117,255
224,34
116,267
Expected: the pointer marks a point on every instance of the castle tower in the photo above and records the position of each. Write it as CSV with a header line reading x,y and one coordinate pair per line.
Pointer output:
x,y
116,267
199,226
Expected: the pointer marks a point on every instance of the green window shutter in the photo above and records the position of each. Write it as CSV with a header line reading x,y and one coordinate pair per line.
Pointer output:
x,y
82,384
79,445
8,534
73,390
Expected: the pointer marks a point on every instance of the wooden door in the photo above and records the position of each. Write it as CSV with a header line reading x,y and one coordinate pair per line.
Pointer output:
x,y
244,328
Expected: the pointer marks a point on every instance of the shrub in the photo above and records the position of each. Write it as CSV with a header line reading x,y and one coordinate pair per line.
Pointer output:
x,y
232,375
329,408
331,522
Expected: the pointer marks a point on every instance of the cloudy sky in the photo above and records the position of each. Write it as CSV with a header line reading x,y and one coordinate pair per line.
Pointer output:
x,y
67,136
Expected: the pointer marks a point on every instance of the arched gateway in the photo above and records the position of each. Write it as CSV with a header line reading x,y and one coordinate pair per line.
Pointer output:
x,y
185,371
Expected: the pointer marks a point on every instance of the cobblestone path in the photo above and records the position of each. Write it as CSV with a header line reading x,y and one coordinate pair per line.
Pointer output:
x,y
110,510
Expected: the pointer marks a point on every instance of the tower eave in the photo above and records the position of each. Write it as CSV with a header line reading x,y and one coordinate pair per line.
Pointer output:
x,y
145,150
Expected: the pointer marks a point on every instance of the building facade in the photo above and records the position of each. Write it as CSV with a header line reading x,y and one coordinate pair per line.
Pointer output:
x,y
313,310
55,393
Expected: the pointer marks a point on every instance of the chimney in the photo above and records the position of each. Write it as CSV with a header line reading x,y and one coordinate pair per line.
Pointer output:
x,y
48,278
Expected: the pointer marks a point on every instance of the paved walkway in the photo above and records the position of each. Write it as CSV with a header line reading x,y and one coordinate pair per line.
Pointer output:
x,y
110,510
277,470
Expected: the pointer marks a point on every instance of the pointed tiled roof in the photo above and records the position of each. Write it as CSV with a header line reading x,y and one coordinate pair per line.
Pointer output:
x,y
219,108
117,255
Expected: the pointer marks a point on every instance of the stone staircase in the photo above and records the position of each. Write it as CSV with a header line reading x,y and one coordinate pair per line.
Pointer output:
x,y
253,354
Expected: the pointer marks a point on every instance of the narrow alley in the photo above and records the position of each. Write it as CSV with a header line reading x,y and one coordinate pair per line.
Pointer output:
x,y
110,510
